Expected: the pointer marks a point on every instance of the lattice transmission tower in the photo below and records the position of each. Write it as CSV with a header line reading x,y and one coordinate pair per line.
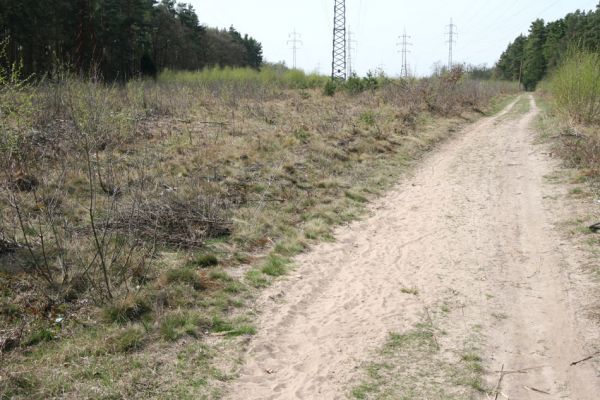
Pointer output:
x,y
351,49
338,65
296,42
404,44
451,42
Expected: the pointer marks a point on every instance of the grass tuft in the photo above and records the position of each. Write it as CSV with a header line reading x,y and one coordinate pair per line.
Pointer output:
x,y
131,308
185,275
205,261
181,323
275,265
126,340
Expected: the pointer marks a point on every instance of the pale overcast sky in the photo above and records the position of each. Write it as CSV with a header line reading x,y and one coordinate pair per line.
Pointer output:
x,y
484,28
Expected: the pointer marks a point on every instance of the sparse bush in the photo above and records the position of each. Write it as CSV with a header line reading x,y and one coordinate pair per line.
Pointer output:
x,y
330,88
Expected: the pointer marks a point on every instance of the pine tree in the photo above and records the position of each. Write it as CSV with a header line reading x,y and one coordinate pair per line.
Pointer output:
x,y
534,66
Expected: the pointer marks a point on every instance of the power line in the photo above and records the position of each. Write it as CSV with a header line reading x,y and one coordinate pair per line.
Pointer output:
x,y
338,64
451,41
351,49
404,50
295,42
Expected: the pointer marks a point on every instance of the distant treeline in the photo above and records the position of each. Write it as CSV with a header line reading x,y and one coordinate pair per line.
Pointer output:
x,y
121,38
530,58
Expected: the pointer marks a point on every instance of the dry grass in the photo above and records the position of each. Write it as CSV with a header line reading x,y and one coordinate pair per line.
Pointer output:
x,y
133,218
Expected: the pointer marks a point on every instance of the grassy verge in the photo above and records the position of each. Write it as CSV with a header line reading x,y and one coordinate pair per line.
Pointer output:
x,y
411,365
139,222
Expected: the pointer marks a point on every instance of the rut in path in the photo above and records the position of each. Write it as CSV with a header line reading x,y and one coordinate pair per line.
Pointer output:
x,y
472,226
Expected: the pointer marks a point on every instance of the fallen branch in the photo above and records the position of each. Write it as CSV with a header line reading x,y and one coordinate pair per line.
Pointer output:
x,y
497,390
536,390
584,359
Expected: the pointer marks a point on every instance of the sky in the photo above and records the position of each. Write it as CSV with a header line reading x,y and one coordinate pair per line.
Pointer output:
x,y
485,28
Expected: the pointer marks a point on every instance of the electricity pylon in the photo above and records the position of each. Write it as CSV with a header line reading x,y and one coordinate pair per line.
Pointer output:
x,y
351,48
338,64
295,42
451,41
404,50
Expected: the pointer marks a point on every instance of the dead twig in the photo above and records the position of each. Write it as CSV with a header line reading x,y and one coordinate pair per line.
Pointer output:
x,y
432,328
497,389
537,390
585,359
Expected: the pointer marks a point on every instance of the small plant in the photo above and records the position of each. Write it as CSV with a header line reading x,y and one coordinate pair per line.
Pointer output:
x,y
412,291
39,336
368,118
330,88
302,134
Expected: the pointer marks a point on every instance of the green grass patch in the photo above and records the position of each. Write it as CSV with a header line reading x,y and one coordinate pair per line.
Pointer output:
x,y
275,265
237,327
256,278
182,323
411,366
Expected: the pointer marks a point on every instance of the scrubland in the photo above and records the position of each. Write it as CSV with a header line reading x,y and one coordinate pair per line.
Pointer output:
x,y
138,221
573,96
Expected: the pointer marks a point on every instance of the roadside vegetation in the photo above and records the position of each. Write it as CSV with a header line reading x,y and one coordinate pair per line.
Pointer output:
x,y
573,93
138,221
570,99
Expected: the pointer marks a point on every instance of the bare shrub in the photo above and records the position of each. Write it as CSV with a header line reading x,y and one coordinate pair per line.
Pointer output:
x,y
68,240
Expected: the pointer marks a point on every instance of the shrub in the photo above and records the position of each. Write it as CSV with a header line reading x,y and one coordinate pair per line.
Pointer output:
x,y
330,88
576,87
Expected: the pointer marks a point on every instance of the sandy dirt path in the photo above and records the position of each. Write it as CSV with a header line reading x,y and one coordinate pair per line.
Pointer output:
x,y
471,229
